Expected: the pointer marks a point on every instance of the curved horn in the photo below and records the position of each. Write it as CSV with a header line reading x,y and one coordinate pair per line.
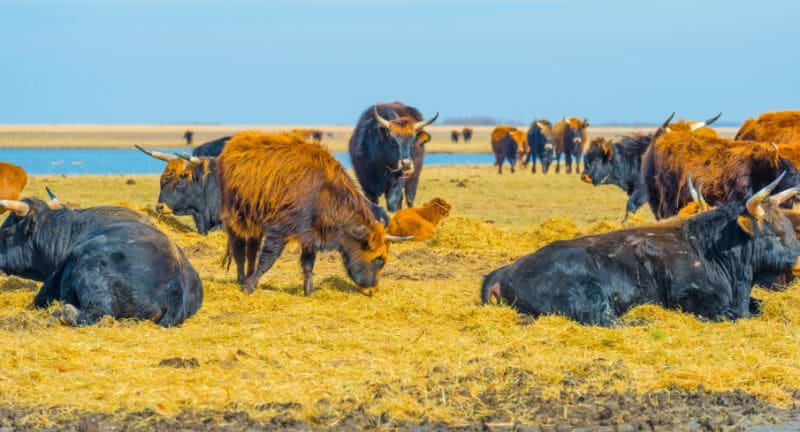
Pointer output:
x,y
186,156
693,191
698,125
156,154
754,203
775,146
422,124
20,208
379,119
397,238
53,203
782,196
664,126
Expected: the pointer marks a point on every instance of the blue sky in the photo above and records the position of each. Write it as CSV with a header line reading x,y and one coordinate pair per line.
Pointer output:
x,y
324,62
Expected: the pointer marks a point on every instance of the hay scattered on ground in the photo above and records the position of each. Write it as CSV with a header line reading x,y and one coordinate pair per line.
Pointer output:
x,y
422,348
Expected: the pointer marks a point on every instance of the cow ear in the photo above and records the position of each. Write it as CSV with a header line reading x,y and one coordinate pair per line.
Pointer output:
x,y
608,151
375,238
747,224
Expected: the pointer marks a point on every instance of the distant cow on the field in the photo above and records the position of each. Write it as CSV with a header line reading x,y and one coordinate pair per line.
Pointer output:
x,y
301,193
454,136
419,223
211,148
312,134
508,144
540,142
12,181
780,127
569,137
188,136
467,134
387,150
98,261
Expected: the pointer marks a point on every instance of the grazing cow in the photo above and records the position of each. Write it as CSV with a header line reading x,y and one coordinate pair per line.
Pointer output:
x,y
189,187
540,141
419,223
188,135
99,261
211,148
454,136
703,265
508,143
467,134
780,127
387,150
12,180
303,193
731,170
569,136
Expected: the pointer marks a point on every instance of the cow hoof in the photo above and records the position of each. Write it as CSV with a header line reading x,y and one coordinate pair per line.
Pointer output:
x,y
66,315
366,291
248,287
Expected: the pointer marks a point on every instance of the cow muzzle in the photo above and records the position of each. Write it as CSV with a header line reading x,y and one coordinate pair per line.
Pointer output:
x,y
796,268
406,166
163,209
577,140
586,178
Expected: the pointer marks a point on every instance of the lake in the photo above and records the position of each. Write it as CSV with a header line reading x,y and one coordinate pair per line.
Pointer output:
x,y
48,161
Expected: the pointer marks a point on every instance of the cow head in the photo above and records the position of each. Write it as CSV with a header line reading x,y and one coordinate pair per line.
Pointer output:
x,y
576,130
403,135
776,244
182,183
17,244
364,253
546,153
520,139
686,126
597,162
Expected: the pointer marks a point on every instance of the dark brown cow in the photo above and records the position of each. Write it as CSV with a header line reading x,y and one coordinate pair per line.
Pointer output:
x,y
301,192
12,180
779,127
730,171
188,136
569,137
508,143
454,136
467,134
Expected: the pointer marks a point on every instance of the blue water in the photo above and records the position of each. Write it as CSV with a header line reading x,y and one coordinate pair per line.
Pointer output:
x,y
132,161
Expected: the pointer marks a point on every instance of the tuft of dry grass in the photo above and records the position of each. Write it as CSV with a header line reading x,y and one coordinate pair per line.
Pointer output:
x,y
422,348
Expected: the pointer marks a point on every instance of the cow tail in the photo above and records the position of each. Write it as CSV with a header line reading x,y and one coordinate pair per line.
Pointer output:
x,y
226,259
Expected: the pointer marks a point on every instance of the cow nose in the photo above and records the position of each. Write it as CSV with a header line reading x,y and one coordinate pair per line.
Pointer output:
x,y
163,208
586,178
577,140
407,165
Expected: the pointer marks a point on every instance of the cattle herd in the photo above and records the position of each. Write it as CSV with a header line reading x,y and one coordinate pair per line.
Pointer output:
x,y
724,210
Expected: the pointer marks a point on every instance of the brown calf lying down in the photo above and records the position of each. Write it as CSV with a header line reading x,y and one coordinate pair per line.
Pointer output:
x,y
419,222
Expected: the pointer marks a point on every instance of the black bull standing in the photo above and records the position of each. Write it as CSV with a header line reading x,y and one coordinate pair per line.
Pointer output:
x,y
387,152
703,265
99,261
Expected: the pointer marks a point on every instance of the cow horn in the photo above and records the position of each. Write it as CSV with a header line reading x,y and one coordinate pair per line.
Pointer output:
x,y
664,126
53,203
422,124
698,125
20,208
397,238
156,154
385,123
185,156
697,196
754,203
782,196
775,146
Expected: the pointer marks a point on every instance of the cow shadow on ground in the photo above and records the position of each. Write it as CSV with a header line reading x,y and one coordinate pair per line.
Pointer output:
x,y
329,282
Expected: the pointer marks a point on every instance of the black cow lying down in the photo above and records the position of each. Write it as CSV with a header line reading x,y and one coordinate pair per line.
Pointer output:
x,y
101,261
703,264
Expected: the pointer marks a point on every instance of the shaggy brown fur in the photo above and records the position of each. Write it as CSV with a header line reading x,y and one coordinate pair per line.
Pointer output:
x,y
729,170
780,127
420,222
279,187
12,180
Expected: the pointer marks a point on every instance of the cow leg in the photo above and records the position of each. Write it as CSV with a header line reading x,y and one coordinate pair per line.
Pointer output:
x,y
273,246
307,259
533,163
236,250
578,163
394,195
200,223
252,246
512,163
568,162
411,190
558,163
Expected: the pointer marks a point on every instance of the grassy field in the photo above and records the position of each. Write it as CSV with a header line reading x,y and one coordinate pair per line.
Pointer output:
x,y
421,349
170,136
